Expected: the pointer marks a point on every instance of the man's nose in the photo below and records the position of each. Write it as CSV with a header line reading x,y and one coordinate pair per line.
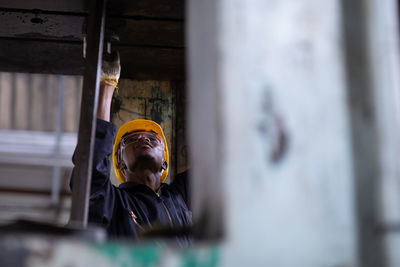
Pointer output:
x,y
143,137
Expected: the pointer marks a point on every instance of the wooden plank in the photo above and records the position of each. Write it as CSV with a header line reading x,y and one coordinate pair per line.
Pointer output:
x,y
13,102
152,63
41,26
69,104
66,58
29,107
49,5
71,110
172,9
38,107
30,25
148,32
21,93
5,100
24,28
41,57
51,105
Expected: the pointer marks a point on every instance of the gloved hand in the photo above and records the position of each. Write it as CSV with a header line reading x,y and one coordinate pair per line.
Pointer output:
x,y
110,68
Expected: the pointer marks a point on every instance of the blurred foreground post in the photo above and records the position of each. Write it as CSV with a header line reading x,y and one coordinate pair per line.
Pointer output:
x,y
87,124
294,130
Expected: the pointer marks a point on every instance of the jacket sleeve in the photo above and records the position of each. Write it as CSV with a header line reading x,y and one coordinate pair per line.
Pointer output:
x,y
102,192
181,185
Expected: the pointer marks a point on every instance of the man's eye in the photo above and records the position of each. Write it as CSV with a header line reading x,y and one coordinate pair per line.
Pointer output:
x,y
153,139
131,139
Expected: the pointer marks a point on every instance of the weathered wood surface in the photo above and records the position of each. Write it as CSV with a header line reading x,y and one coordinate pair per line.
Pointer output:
x,y
49,5
47,37
41,57
170,9
66,58
31,102
17,24
33,25
148,32
152,63
166,9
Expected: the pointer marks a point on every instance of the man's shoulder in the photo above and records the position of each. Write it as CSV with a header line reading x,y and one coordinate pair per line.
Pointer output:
x,y
106,126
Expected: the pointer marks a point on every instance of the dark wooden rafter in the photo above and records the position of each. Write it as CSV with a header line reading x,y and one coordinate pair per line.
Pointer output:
x,y
137,61
47,37
165,9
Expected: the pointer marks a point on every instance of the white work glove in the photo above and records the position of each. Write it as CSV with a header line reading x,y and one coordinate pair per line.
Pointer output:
x,y
110,68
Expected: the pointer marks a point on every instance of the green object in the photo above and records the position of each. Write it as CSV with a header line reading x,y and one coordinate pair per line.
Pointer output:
x,y
200,257
151,254
130,256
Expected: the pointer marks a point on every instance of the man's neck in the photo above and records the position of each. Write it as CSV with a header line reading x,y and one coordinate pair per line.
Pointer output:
x,y
146,177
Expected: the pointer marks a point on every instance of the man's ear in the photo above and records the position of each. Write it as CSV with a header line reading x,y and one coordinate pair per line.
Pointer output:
x,y
122,167
164,165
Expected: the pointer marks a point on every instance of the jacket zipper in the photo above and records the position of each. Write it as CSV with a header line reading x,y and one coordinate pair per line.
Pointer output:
x,y
134,220
166,209
169,217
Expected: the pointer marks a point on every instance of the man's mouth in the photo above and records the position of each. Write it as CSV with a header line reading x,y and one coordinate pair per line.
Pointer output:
x,y
141,145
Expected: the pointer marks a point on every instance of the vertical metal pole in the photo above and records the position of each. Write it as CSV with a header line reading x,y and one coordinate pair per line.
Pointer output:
x,y
55,186
87,123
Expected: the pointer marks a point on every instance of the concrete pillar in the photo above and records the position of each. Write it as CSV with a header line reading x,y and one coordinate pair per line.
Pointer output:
x,y
280,127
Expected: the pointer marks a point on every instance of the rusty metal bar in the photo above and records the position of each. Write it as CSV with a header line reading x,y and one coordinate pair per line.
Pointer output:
x,y
87,124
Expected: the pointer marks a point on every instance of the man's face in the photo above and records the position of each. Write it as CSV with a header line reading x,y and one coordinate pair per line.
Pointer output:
x,y
142,149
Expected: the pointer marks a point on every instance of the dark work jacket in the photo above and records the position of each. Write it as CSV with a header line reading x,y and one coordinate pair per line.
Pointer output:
x,y
130,208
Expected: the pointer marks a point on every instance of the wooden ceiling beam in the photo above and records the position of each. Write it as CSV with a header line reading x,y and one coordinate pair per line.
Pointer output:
x,y
55,57
47,37
171,9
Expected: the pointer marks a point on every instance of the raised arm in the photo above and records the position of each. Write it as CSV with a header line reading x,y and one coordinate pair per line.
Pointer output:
x,y
102,193
110,73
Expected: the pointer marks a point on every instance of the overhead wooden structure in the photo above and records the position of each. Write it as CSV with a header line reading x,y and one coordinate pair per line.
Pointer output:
x,y
47,36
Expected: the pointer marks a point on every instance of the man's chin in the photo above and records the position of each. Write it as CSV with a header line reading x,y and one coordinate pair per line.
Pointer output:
x,y
144,157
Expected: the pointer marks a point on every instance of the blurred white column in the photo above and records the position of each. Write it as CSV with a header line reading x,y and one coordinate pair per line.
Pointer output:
x,y
270,132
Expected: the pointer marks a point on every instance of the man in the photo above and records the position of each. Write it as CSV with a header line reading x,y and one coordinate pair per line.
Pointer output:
x,y
142,202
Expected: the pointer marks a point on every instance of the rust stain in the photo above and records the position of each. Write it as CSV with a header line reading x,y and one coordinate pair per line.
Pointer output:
x,y
272,128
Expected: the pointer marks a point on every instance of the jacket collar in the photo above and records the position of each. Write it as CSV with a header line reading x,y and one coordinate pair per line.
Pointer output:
x,y
133,186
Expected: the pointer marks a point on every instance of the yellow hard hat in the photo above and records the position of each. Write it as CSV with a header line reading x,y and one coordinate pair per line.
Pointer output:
x,y
138,125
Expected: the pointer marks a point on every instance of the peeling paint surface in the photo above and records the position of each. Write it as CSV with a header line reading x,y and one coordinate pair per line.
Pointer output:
x,y
278,145
290,80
